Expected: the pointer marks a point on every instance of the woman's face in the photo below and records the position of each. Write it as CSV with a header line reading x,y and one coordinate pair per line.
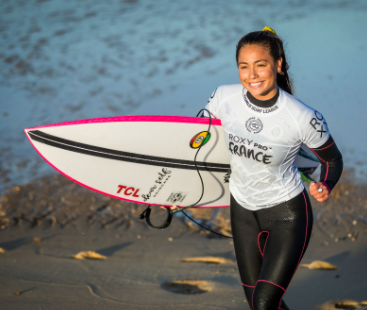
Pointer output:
x,y
258,71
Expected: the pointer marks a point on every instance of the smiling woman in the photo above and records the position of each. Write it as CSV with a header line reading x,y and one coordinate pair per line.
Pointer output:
x,y
262,64
264,128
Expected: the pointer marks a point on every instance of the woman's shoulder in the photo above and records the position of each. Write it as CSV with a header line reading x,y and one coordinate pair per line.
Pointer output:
x,y
295,105
307,118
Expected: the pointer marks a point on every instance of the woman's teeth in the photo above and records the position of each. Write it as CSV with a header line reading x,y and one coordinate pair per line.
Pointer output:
x,y
255,84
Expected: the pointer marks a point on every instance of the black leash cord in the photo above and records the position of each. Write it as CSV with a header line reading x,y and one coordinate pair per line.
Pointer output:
x,y
168,220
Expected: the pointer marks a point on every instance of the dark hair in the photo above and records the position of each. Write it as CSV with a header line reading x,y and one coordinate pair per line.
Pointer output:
x,y
274,45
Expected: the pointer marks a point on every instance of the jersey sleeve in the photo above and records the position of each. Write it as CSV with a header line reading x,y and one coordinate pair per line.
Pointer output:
x,y
213,104
314,129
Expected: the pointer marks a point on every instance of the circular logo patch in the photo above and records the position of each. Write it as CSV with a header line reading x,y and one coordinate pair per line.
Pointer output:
x,y
254,125
200,139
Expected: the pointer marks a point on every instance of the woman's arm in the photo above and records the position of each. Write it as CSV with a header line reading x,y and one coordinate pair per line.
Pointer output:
x,y
331,169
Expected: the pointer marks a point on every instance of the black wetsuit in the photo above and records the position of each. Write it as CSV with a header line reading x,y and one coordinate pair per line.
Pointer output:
x,y
270,243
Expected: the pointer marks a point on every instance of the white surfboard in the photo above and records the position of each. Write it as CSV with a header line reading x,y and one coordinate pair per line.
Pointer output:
x,y
145,159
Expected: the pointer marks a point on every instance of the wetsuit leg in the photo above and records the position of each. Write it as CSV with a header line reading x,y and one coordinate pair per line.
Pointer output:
x,y
245,230
249,242
287,228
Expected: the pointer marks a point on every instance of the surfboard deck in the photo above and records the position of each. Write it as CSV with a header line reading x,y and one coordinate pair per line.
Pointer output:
x,y
142,159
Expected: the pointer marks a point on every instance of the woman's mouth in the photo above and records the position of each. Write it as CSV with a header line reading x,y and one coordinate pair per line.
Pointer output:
x,y
256,85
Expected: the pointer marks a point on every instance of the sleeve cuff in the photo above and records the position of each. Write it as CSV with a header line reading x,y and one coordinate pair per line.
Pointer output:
x,y
327,186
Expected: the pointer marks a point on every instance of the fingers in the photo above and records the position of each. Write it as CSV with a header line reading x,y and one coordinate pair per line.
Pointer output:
x,y
174,207
319,191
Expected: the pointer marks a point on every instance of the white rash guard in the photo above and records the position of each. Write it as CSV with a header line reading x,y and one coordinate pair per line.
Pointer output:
x,y
263,144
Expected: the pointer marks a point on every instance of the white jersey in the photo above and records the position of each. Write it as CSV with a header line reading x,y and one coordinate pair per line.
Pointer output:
x,y
263,144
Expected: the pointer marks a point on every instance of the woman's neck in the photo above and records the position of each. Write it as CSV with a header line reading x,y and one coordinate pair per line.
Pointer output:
x,y
263,103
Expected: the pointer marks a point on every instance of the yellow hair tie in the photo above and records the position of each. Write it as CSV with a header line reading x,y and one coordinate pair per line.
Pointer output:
x,y
266,28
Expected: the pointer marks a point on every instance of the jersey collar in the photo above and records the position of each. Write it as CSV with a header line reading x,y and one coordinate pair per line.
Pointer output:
x,y
264,111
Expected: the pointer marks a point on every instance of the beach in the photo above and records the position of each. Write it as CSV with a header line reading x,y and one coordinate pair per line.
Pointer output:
x,y
63,246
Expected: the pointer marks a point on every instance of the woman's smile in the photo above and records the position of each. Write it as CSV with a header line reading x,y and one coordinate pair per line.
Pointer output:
x,y
255,84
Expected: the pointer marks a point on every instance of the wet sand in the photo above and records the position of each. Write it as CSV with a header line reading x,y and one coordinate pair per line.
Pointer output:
x,y
44,223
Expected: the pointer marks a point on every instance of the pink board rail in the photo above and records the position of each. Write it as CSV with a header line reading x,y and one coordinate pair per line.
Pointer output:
x,y
144,118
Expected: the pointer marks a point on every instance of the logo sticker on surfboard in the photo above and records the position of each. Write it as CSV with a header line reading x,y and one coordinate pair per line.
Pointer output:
x,y
176,197
200,139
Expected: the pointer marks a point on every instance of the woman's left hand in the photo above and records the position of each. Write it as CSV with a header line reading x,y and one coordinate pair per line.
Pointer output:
x,y
174,207
319,191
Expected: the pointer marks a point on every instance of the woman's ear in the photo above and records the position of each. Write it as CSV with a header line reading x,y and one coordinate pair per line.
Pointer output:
x,y
279,64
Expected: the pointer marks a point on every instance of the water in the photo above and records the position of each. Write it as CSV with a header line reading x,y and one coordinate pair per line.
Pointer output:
x,y
62,61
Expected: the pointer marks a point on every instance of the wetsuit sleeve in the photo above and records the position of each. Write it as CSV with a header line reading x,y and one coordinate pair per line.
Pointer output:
x,y
331,163
213,105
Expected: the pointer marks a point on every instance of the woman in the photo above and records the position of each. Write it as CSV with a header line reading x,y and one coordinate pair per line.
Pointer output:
x,y
264,127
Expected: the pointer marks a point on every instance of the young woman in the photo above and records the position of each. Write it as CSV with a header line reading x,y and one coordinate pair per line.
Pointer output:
x,y
264,127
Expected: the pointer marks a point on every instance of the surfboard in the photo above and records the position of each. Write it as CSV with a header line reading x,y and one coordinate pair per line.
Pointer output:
x,y
144,159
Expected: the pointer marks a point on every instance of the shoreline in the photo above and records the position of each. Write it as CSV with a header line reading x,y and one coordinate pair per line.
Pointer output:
x,y
55,200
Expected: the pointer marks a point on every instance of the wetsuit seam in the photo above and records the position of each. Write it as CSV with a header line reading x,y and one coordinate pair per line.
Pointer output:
x,y
317,155
247,285
324,147
258,242
327,170
253,293
327,164
266,281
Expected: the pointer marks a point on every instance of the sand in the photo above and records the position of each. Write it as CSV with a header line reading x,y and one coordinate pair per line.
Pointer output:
x,y
45,223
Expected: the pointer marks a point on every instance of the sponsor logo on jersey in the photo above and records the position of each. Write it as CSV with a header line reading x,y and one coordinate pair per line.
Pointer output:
x,y
254,125
259,109
245,141
200,139
249,153
318,123
246,151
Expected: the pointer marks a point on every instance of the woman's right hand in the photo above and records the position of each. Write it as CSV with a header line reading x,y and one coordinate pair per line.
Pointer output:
x,y
319,191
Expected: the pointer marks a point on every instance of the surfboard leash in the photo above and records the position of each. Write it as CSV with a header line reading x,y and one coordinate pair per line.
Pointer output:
x,y
146,213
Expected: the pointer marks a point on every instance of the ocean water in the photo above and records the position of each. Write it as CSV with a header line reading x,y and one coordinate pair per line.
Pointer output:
x,y
69,60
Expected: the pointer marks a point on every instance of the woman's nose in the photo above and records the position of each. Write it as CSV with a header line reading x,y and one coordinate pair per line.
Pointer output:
x,y
252,73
